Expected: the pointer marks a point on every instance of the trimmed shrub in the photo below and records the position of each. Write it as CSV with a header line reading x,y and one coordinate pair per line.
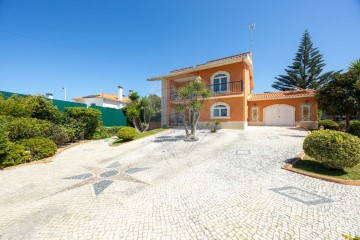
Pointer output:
x,y
89,117
354,128
15,154
4,119
328,124
333,149
127,133
114,130
22,128
101,133
39,147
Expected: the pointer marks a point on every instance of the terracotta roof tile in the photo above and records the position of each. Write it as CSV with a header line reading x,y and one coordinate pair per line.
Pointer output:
x,y
284,94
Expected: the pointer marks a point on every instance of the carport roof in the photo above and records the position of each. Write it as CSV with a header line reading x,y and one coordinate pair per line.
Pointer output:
x,y
283,95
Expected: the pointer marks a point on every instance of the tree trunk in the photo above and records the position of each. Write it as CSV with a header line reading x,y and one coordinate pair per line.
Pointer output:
x,y
186,128
196,118
135,125
347,121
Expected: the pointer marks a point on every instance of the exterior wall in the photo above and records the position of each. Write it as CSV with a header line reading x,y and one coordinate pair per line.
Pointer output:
x,y
295,102
235,99
101,102
89,101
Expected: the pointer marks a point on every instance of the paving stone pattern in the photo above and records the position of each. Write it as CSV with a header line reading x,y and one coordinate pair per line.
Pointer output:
x,y
227,185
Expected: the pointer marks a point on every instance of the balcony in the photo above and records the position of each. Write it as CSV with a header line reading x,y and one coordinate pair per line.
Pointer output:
x,y
216,89
227,88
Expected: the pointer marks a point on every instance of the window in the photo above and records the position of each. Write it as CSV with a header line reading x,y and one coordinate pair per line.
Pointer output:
x,y
220,110
255,116
220,83
92,104
305,112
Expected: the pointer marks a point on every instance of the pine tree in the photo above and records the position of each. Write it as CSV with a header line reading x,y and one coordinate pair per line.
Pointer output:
x,y
306,70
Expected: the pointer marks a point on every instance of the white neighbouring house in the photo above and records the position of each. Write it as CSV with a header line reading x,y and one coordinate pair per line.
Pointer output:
x,y
116,101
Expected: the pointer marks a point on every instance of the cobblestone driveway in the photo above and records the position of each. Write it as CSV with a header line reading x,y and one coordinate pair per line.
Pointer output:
x,y
228,185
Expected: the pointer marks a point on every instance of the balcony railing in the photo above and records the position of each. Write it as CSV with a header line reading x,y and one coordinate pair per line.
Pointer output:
x,y
227,88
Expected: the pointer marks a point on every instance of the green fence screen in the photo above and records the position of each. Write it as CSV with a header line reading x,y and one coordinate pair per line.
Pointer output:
x,y
109,116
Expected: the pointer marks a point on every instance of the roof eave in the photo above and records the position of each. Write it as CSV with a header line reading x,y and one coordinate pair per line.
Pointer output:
x,y
246,58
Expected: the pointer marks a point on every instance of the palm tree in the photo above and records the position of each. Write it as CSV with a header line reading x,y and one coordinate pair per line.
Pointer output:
x,y
355,67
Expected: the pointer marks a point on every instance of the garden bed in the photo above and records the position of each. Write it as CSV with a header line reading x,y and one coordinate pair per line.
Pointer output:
x,y
138,136
308,166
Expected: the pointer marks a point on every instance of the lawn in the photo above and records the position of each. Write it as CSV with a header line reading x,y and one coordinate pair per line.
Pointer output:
x,y
310,165
139,135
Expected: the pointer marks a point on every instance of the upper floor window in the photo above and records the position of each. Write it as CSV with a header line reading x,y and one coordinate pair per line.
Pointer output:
x,y
220,82
220,110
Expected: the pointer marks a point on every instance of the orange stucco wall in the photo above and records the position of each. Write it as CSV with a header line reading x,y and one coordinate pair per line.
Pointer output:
x,y
238,72
235,70
295,102
236,109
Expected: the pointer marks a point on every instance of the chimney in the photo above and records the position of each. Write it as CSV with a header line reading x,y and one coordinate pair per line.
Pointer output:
x,y
49,95
120,93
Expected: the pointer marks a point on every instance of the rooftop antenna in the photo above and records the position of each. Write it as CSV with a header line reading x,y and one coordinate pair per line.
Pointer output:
x,y
252,28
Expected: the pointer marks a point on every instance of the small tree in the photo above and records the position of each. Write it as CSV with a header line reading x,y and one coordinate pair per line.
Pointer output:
x,y
139,111
340,96
306,70
192,98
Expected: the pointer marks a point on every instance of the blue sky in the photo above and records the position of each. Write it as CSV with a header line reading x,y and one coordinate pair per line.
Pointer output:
x,y
92,46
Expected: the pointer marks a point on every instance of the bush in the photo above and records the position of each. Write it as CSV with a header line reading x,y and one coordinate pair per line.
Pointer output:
x,y
4,143
354,128
101,133
39,147
113,131
58,134
28,106
333,149
127,133
328,124
22,128
4,119
89,117
15,155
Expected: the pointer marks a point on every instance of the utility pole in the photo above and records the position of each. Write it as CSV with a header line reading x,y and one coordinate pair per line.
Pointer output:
x,y
64,88
251,28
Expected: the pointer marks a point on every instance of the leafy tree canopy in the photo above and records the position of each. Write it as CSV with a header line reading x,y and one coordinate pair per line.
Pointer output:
x,y
340,96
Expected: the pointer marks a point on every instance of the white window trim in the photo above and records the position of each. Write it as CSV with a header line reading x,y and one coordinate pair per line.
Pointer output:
x,y
228,81
219,117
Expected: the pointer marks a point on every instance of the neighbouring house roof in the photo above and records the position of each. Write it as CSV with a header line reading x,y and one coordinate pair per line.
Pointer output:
x,y
212,63
112,97
283,95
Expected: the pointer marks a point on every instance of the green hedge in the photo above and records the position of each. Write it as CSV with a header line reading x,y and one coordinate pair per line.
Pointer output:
x,y
333,149
39,147
23,128
90,118
15,154
328,124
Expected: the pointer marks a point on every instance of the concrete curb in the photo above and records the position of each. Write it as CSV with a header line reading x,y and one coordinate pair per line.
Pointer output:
x,y
300,156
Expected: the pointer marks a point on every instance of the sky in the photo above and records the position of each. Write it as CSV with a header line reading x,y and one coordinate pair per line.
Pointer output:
x,y
92,46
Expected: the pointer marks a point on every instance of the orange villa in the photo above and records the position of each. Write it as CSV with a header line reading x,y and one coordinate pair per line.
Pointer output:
x,y
231,81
